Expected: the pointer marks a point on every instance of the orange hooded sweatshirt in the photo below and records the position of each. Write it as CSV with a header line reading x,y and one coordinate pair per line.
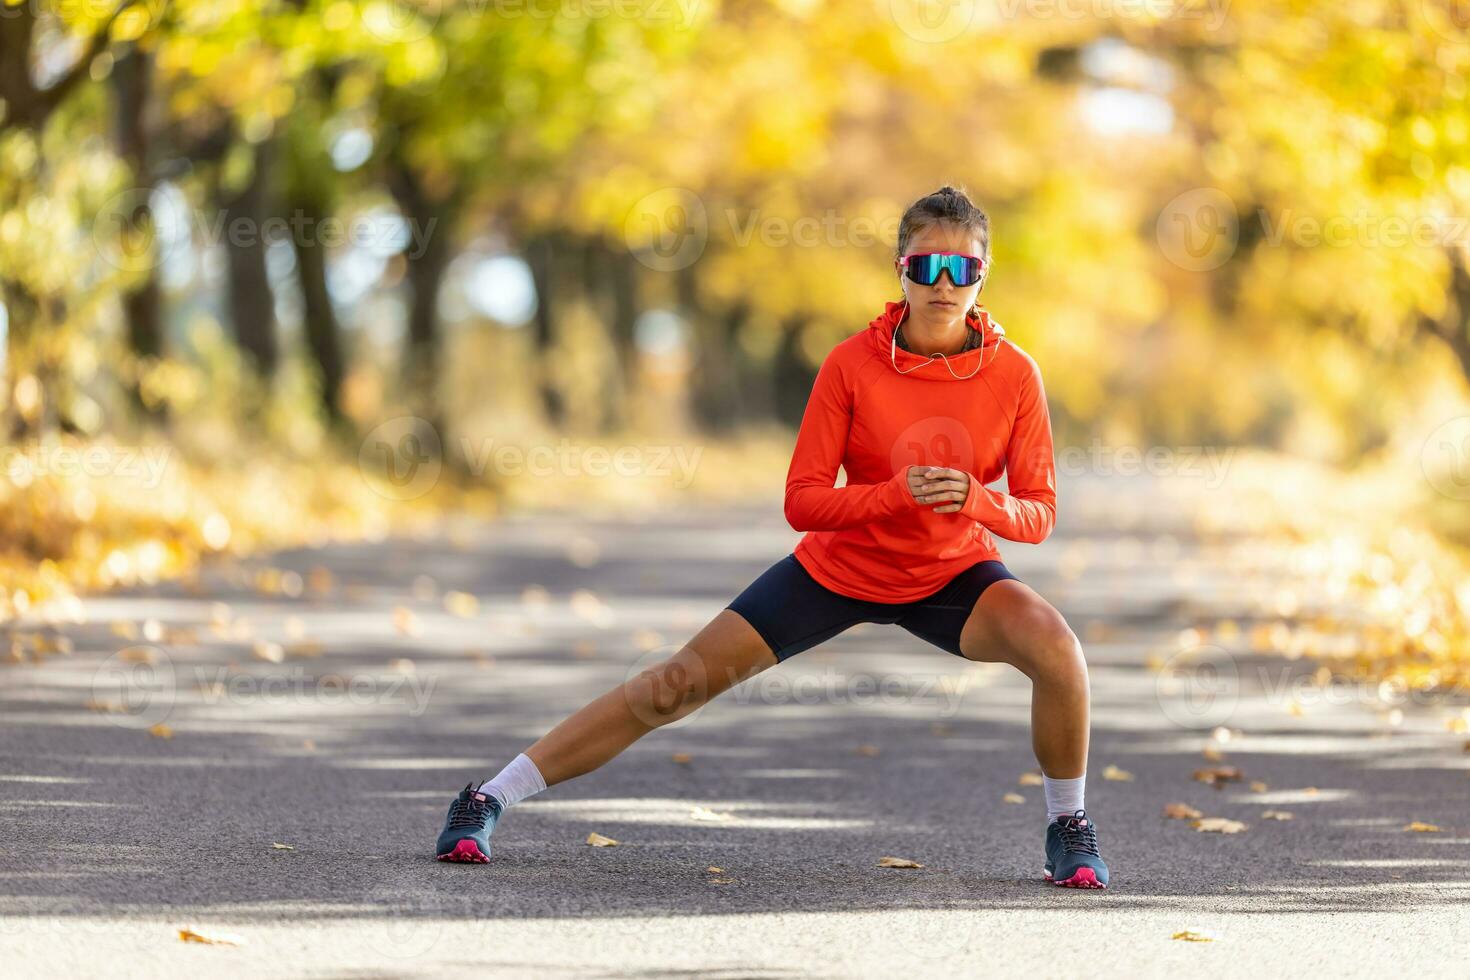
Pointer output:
x,y
870,539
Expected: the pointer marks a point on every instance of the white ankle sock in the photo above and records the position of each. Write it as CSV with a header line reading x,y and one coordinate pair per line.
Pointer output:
x,y
515,782
1063,796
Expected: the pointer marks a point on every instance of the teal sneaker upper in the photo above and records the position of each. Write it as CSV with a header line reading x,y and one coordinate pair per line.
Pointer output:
x,y
472,816
1071,844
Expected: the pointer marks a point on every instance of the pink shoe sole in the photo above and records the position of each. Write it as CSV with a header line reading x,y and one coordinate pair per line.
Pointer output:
x,y
1084,878
465,852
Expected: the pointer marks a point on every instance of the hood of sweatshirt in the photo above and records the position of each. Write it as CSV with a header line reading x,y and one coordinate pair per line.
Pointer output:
x,y
962,366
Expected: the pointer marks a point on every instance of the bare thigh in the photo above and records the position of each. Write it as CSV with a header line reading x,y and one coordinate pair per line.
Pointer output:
x,y
1011,623
722,654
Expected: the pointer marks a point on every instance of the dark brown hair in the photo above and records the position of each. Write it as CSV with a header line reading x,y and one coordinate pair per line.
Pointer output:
x,y
946,204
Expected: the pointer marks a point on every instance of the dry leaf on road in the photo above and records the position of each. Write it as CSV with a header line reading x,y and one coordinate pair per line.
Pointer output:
x,y
1194,936
893,862
1013,798
282,847
1181,811
705,813
1030,779
1218,825
597,840
682,757
1277,815
1419,827
1215,775
161,730
210,938
1117,775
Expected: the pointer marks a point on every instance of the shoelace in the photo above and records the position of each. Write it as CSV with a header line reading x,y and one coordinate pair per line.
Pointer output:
x,y
468,812
1078,835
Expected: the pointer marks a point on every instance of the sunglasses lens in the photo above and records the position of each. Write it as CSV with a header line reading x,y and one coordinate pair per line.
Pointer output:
x,y
964,270
924,269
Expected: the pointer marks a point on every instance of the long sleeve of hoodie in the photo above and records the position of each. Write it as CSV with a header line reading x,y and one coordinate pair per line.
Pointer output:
x,y
812,502
1028,512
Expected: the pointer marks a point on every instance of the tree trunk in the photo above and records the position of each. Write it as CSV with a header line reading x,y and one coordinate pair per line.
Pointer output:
x,y
1453,328
142,304
719,398
252,308
426,264
542,253
323,333
613,278
793,376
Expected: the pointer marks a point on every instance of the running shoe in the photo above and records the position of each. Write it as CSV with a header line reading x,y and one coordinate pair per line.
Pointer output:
x,y
467,826
1072,858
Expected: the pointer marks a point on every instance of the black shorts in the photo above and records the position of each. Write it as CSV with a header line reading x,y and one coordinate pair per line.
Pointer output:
x,y
794,612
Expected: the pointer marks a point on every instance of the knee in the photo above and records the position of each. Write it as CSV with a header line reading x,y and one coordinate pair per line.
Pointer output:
x,y
1053,650
666,691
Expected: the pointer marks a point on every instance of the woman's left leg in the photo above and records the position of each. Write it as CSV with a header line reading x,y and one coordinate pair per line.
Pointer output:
x,y
1011,623
986,613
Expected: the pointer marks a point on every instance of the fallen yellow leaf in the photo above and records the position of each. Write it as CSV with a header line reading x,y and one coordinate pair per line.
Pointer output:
x,y
210,938
1418,827
137,655
1030,779
1193,936
461,604
1117,775
868,750
1181,811
405,622
1212,753
269,652
714,870
282,847
895,862
1258,787
1013,798
161,730
1218,825
597,840
1277,815
1216,775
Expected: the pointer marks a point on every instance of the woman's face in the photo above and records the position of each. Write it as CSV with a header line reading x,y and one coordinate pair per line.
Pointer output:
x,y
943,302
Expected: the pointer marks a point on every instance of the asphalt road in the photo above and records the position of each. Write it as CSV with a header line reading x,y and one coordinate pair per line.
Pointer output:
x,y
348,749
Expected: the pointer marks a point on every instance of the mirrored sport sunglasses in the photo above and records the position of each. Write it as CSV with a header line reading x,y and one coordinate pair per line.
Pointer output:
x,y
923,267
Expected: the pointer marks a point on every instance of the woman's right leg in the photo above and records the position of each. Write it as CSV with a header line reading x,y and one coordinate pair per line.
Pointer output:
x,y
727,651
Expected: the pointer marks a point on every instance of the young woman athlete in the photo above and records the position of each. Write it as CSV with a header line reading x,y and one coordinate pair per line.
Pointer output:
x,y
921,410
